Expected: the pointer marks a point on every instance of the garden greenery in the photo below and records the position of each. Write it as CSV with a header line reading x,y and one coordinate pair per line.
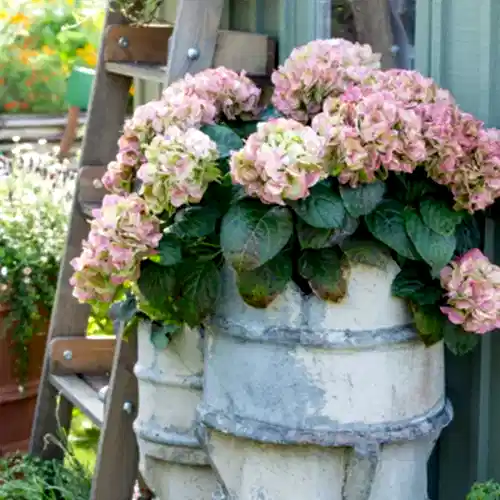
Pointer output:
x,y
34,207
349,162
40,43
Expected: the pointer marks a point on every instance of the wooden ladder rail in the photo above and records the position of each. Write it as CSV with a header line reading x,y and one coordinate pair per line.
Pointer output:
x,y
195,44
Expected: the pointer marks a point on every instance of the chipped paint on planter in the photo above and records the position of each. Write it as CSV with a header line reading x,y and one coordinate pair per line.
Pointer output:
x,y
307,399
170,383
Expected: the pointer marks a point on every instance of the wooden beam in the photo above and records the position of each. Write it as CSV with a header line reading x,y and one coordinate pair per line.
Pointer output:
x,y
81,355
195,37
116,467
89,190
148,44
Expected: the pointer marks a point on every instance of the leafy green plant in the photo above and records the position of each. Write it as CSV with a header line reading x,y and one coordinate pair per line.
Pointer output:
x,y
34,208
485,491
23,477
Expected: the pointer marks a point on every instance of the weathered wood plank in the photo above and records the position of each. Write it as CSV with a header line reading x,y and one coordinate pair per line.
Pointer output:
x,y
147,44
82,396
116,467
196,27
86,355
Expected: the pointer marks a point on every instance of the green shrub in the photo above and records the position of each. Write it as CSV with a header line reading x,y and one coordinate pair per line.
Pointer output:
x,y
485,491
23,477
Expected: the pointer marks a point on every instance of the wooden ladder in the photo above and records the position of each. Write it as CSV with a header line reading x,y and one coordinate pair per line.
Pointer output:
x,y
79,368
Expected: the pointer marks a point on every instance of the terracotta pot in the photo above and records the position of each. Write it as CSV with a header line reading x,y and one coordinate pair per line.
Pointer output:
x,y
17,405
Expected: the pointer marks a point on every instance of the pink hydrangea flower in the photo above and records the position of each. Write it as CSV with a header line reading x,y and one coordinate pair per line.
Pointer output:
x,y
368,133
472,285
282,160
463,155
411,87
233,95
180,165
318,70
122,233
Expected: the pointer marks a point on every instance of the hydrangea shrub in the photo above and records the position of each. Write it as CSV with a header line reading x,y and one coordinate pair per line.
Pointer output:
x,y
348,161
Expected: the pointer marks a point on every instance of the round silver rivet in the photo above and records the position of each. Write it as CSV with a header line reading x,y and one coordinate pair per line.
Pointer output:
x,y
193,54
128,407
68,355
123,42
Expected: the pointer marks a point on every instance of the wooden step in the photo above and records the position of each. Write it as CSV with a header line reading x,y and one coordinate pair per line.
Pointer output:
x,y
82,393
144,71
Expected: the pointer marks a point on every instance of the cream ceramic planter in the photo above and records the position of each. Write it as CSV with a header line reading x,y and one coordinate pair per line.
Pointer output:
x,y
170,381
309,400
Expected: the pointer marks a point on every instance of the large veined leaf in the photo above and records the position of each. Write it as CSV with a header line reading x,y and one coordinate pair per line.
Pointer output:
x,y
253,233
259,287
439,217
387,224
322,209
169,250
325,272
156,284
436,249
227,140
194,222
363,199
416,285
198,290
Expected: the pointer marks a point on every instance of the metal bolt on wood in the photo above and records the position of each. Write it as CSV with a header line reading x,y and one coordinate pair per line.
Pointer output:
x,y
193,53
123,42
128,407
68,355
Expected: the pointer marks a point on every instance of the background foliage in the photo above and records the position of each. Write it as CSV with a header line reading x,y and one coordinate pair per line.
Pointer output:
x,y
40,42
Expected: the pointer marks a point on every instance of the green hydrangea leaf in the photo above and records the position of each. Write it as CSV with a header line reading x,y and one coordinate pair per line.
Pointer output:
x,y
259,287
253,233
227,140
439,217
323,208
325,272
434,248
363,199
387,224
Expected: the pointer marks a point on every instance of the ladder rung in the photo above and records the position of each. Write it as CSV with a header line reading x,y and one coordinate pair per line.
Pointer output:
x,y
81,394
158,73
149,72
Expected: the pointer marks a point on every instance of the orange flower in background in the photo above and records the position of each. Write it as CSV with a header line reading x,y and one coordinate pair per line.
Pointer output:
x,y
48,51
9,106
88,54
19,18
132,90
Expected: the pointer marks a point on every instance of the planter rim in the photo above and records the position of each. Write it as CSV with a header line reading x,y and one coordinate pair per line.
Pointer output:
x,y
360,437
327,337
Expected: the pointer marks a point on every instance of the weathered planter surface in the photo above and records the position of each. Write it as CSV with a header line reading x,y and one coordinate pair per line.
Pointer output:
x,y
308,400
170,382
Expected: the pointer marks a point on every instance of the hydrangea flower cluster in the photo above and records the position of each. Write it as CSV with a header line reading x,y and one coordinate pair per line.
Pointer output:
x,y
180,165
233,95
320,69
472,284
462,155
122,233
411,87
282,160
188,103
368,133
